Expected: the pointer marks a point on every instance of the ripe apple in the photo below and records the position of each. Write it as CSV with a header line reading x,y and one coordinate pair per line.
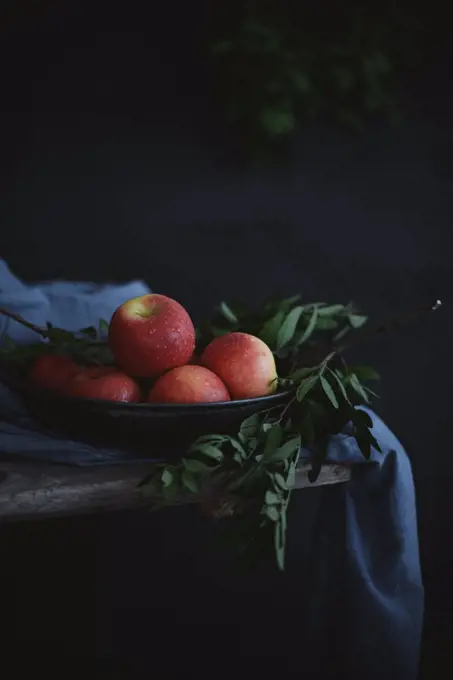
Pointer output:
x,y
151,334
244,363
52,372
103,382
188,385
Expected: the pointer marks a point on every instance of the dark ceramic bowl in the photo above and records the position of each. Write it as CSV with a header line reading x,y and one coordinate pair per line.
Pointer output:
x,y
158,430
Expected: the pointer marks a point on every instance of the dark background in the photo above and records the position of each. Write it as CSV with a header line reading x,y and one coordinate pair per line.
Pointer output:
x,y
113,167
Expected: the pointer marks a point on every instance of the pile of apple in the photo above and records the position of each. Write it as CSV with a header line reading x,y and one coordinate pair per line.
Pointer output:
x,y
153,337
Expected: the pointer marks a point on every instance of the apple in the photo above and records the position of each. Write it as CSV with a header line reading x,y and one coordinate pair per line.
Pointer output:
x,y
103,382
52,372
244,363
151,334
188,385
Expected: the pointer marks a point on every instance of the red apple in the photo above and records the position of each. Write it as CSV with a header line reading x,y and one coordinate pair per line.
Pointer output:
x,y
244,363
103,382
188,385
52,372
151,334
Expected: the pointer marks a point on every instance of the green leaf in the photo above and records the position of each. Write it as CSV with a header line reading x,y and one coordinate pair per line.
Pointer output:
x,y
171,492
375,443
364,372
167,477
238,447
364,444
286,304
291,478
331,310
148,479
312,305
286,451
249,427
252,443
272,512
326,324
302,372
209,439
306,386
280,481
329,392
341,333
273,439
306,429
365,440
280,540
279,549
269,331
271,498
228,313
103,326
337,377
194,465
311,326
283,353
357,320
318,459
358,387
190,482
283,524
361,418
363,425
209,451
59,335
90,331
288,327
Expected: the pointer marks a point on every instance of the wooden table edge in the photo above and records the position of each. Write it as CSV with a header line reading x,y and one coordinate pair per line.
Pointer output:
x,y
32,490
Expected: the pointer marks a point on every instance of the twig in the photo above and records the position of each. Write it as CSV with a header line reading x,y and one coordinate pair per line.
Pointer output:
x,y
16,317
386,327
45,334
286,408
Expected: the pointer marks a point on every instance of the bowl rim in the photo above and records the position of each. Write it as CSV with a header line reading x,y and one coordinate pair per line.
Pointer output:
x,y
159,406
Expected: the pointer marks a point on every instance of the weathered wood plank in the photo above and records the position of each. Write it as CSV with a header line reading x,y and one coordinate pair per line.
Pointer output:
x,y
38,491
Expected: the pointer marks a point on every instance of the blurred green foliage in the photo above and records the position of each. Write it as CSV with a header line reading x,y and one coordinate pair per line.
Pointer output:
x,y
282,62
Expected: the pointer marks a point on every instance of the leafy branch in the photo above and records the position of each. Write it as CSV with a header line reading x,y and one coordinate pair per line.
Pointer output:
x,y
88,346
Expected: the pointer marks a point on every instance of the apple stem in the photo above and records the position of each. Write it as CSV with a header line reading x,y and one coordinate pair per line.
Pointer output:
x,y
16,317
